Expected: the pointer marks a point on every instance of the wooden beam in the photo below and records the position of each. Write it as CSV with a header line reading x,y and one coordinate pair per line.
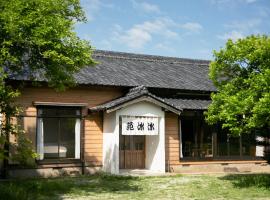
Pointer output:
x,y
40,103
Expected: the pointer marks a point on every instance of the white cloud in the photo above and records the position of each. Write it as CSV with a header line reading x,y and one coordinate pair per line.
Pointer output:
x,y
140,34
92,7
192,27
244,25
146,7
239,29
234,35
135,38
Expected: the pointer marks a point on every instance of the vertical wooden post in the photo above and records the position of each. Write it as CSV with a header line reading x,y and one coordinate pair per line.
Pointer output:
x,y
82,142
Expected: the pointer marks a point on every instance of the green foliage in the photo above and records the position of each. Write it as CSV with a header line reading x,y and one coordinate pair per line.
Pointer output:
x,y
37,40
241,73
38,36
22,149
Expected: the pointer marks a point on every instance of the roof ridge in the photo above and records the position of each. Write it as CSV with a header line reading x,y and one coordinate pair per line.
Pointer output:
x,y
151,58
139,89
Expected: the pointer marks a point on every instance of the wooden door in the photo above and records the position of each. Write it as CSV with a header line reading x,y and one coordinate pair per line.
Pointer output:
x,y
132,152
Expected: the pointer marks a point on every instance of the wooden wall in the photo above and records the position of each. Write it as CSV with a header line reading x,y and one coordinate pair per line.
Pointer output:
x,y
93,139
172,139
92,124
91,95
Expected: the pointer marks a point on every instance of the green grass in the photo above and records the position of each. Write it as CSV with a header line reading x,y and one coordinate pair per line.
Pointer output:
x,y
253,186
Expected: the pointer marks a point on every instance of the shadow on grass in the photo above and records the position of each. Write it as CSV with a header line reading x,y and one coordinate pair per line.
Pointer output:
x,y
249,180
54,188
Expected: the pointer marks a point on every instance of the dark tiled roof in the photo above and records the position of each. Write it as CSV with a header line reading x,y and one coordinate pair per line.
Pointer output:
x,y
137,92
134,93
190,104
126,69
131,70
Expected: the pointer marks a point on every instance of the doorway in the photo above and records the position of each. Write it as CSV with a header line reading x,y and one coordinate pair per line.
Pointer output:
x,y
132,152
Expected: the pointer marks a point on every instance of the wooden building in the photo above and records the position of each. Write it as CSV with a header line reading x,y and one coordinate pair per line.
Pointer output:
x,y
131,111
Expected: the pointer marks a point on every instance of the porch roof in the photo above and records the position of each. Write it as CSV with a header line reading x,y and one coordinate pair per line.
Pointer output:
x,y
141,93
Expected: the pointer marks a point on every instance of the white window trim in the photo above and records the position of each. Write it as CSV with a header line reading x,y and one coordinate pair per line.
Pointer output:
x,y
77,139
40,138
180,139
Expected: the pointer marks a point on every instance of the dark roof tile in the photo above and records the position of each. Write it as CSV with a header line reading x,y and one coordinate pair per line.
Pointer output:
x,y
137,92
189,104
126,69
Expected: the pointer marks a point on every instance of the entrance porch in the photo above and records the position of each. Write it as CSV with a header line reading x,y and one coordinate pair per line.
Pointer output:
x,y
122,150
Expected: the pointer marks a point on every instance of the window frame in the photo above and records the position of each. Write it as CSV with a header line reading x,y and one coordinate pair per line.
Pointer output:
x,y
60,160
214,131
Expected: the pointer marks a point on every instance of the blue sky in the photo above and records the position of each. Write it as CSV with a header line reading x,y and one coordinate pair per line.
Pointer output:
x,y
179,28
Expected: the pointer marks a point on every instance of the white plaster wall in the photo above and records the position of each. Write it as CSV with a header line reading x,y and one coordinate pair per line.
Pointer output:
x,y
155,145
110,144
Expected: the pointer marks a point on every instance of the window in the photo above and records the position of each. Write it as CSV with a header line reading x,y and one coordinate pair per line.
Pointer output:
x,y
196,139
199,141
58,134
236,147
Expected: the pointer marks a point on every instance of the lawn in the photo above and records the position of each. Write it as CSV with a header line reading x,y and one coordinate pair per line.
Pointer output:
x,y
124,187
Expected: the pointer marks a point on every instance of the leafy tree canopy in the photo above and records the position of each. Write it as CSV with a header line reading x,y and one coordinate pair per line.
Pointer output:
x,y
241,73
38,35
37,39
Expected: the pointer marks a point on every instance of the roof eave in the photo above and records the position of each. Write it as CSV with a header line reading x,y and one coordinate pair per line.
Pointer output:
x,y
144,97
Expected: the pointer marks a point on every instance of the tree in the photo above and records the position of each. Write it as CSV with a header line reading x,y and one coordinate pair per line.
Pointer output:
x,y
38,42
241,74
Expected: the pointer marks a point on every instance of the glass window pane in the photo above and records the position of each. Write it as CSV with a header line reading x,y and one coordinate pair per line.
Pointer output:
x,y
196,139
234,146
59,131
188,136
249,145
67,111
51,111
222,143
50,128
48,112
206,141
67,137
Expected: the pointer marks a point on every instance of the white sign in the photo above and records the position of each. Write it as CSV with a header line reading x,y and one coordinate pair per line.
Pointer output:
x,y
139,125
